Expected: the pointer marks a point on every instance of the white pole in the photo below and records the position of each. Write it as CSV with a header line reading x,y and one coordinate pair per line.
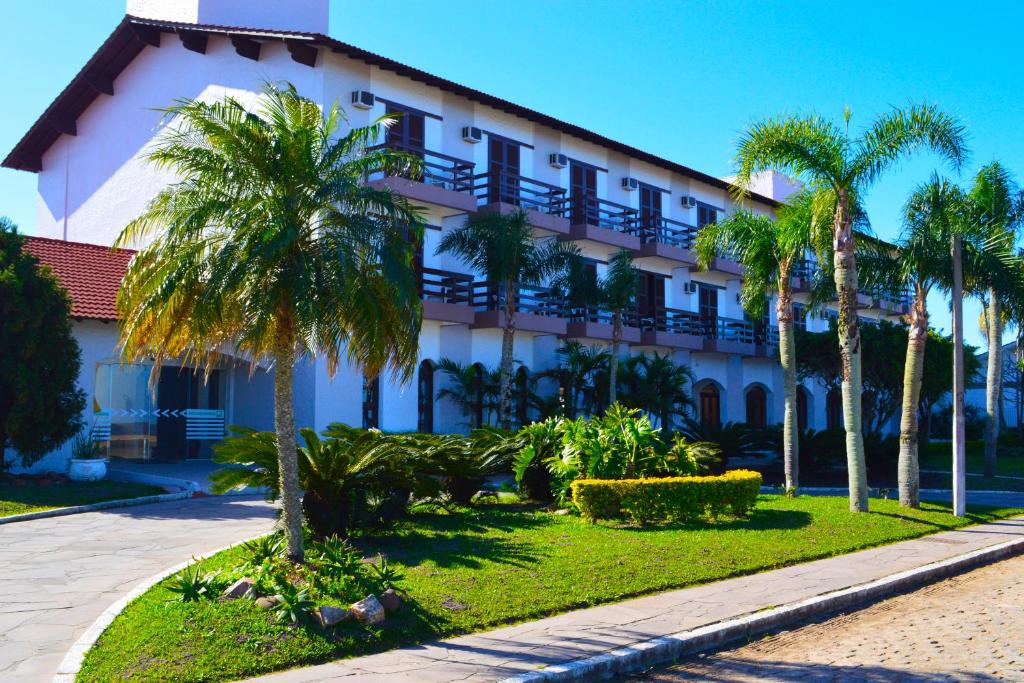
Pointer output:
x,y
959,445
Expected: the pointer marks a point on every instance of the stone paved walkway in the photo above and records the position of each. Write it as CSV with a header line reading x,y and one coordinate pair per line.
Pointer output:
x,y
506,652
966,628
58,575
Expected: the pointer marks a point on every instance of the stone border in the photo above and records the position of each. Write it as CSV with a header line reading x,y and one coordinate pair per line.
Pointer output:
x,y
72,662
671,647
93,507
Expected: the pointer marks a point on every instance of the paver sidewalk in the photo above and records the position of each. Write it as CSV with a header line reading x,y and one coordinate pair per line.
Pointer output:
x,y
528,647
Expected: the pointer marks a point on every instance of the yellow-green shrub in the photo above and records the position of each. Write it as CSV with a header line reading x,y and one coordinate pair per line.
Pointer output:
x,y
676,499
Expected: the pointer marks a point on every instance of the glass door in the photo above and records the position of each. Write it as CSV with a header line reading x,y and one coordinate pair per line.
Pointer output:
x,y
503,167
583,193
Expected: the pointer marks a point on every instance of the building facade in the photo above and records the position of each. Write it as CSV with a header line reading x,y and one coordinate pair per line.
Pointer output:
x,y
481,153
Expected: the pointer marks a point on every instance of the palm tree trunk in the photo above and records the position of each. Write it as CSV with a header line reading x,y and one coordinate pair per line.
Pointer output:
x,y
849,350
507,342
787,356
613,362
288,465
959,444
913,370
993,380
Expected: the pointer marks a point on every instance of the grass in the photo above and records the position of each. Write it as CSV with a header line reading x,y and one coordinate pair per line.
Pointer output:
x,y
495,565
19,496
1010,461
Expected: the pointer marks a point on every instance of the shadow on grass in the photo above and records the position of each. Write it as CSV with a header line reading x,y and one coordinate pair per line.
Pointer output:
x,y
758,520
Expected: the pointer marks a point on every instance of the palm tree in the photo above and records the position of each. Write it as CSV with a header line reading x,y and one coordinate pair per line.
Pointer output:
x,y
503,248
273,242
769,250
472,388
819,151
658,386
579,371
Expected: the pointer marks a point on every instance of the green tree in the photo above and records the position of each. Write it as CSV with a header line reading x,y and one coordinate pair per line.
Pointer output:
x,y
769,250
618,293
579,373
658,386
503,248
474,389
40,402
823,153
272,241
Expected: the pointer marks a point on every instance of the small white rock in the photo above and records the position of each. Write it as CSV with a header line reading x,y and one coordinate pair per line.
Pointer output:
x,y
239,589
330,615
369,610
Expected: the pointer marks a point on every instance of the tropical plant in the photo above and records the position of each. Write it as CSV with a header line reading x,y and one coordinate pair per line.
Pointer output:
x,y
337,558
191,585
36,342
294,605
842,168
273,241
578,373
462,462
769,251
658,386
474,389
384,575
85,447
733,439
502,247
263,549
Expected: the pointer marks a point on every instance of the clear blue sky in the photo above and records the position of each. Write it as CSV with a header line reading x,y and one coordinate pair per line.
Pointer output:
x,y
678,79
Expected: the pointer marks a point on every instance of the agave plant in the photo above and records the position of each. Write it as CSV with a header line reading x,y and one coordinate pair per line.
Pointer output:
x,y
192,586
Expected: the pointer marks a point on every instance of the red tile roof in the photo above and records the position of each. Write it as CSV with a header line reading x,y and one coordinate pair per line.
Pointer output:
x,y
90,273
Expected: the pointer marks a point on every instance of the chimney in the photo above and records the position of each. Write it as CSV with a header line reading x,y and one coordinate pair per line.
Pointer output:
x,y
306,16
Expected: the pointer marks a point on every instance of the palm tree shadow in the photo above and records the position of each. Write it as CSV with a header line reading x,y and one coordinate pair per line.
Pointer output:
x,y
757,520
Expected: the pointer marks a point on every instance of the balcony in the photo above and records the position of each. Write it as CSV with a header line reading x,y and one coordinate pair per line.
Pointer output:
x,y
538,309
665,238
607,222
766,340
894,303
505,192
672,327
726,335
447,296
586,322
446,180
803,274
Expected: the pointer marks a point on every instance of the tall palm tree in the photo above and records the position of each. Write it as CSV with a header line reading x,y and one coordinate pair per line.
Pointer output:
x,y
817,150
579,370
768,251
998,205
503,249
273,242
472,388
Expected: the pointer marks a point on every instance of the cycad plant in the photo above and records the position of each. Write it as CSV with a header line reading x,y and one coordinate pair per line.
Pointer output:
x,y
768,251
502,247
825,155
271,241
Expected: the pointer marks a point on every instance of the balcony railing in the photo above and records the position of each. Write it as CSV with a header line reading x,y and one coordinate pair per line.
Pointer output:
x,y
517,190
766,335
667,231
673,321
439,169
446,286
805,269
728,329
590,210
542,301
602,316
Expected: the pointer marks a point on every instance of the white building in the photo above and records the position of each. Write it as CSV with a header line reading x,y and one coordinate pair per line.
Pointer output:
x,y
483,154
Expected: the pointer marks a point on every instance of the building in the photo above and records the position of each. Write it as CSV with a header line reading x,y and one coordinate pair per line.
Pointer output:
x,y
482,153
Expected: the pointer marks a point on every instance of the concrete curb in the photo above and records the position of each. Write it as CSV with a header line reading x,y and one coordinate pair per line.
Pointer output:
x,y
93,507
973,474
713,636
72,662
115,474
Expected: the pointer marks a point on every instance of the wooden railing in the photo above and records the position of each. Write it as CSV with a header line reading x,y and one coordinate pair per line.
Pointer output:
x,y
590,210
446,286
439,169
603,316
511,188
667,231
528,299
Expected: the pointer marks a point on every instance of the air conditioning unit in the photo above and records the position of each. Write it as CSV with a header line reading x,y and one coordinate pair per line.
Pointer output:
x,y
630,184
363,99
690,287
472,134
688,202
558,160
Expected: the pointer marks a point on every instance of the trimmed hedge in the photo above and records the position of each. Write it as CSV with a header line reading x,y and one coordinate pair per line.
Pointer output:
x,y
676,499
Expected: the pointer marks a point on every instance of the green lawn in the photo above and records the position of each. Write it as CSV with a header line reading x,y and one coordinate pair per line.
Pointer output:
x,y
938,456
497,565
31,495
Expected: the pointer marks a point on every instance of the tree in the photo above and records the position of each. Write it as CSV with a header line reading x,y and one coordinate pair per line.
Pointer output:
x,y
937,377
473,388
40,402
273,242
502,247
769,250
657,386
579,373
618,293
824,154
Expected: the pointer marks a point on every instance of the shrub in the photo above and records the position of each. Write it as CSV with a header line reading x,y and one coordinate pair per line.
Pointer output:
x,y
676,499
734,439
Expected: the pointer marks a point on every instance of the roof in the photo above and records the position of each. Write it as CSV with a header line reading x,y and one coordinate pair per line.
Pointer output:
x,y
92,274
133,34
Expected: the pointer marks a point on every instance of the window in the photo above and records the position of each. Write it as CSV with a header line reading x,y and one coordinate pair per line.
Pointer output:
x,y
425,398
408,131
650,294
583,193
371,403
522,395
503,167
801,408
706,215
650,209
708,308
799,317
710,405
834,409
757,407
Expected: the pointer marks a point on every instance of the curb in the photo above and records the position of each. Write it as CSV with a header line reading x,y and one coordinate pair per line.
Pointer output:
x,y
115,474
93,507
72,662
668,648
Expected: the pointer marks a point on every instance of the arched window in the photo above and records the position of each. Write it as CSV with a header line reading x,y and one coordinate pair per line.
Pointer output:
x,y
522,394
834,409
801,408
425,399
757,407
479,377
710,405
371,403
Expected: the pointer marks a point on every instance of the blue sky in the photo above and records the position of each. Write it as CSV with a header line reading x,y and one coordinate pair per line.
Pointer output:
x,y
678,79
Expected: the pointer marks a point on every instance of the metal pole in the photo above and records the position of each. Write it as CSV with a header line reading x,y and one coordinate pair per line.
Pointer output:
x,y
959,444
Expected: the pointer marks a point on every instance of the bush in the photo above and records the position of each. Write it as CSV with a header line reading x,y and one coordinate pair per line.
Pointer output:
x,y
822,450
676,499
734,439
974,423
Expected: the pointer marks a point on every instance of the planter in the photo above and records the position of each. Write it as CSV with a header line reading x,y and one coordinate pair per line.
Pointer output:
x,y
87,470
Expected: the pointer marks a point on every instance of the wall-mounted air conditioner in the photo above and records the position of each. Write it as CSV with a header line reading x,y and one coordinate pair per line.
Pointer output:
x,y
363,99
558,160
630,184
472,134
690,287
688,202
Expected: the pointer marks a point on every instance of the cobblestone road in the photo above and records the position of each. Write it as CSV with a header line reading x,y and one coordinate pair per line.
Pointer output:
x,y
967,628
